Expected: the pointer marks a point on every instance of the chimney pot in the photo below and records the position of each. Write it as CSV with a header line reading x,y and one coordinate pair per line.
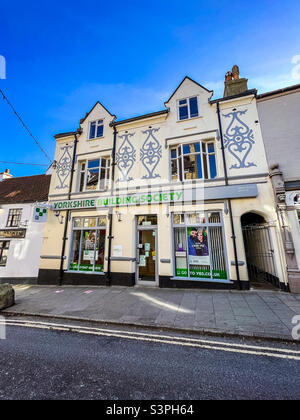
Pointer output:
x,y
233,84
5,175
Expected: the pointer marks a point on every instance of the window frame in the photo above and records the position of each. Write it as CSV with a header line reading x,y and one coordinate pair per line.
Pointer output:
x,y
188,104
81,229
185,224
11,218
179,159
107,179
96,129
2,249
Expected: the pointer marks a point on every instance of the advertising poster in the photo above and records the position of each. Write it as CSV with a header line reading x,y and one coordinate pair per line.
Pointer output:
x,y
198,248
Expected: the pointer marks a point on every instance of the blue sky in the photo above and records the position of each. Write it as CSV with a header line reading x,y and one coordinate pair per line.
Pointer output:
x,y
63,56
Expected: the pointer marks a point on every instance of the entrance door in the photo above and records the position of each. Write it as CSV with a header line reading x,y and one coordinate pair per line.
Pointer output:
x,y
147,256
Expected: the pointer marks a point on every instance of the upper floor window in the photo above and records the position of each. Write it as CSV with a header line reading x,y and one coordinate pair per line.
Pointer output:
x,y
298,212
14,218
94,174
194,161
188,108
96,129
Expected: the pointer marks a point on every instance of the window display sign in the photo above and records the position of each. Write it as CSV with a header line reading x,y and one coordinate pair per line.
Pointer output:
x,y
199,248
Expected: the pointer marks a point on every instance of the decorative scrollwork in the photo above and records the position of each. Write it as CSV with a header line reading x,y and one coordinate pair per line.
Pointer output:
x,y
125,158
64,167
239,140
151,153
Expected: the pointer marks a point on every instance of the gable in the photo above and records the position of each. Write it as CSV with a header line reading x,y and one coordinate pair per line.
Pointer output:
x,y
188,87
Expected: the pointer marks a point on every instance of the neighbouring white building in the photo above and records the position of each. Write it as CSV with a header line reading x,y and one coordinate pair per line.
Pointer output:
x,y
23,214
279,113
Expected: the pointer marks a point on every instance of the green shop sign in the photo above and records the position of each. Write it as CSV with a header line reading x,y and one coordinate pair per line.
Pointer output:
x,y
121,200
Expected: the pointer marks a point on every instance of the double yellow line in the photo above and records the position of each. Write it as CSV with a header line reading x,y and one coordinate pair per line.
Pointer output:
x,y
279,353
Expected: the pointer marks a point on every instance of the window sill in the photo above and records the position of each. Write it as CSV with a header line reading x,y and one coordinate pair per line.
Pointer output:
x,y
202,280
189,119
95,139
197,181
85,272
91,192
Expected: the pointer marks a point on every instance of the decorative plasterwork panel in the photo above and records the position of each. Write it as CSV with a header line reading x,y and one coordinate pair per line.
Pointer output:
x,y
64,167
151,153
239,140
125,158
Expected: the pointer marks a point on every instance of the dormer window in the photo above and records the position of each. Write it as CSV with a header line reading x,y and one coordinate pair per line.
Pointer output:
x,y
96,129
188,108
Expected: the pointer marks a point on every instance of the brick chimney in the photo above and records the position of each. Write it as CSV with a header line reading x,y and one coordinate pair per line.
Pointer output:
x,y
233,84
5,175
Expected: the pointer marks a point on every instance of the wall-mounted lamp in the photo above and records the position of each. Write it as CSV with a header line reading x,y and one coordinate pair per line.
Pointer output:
x,y
226,209
119,216
60,217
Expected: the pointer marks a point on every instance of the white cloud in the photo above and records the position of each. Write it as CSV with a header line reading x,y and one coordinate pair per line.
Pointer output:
x,y
272,82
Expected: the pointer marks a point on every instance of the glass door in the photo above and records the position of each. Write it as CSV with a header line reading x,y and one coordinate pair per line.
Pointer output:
x,y
146,257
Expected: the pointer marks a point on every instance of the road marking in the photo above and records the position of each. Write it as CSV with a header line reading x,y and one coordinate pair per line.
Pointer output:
x,y
165,339
189,339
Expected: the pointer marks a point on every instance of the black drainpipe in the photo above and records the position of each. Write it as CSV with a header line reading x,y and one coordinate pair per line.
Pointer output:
x,y
229,201
110,235
61,270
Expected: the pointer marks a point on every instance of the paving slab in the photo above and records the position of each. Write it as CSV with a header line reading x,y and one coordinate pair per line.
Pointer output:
x,y
262,314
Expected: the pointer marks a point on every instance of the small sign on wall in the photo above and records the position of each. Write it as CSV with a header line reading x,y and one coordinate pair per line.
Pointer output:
x,y
40,214
118,251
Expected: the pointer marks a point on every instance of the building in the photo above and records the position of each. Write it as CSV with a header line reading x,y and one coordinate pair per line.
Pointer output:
x,y
176,198
23,214
279,115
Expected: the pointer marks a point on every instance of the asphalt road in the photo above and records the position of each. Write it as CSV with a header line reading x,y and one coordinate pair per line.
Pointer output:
x,y
137,364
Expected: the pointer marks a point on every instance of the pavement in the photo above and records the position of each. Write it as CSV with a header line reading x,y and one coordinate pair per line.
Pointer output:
x,y
258,314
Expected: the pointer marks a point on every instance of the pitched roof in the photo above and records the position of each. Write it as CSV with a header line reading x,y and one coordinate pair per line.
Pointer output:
x,y
279,91
88,113
141,117
27,189
239,95
187,78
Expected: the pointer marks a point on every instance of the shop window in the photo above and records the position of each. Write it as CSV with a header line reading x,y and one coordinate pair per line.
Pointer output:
x,y
193,161
94,175
88,244
199,246
188,108
96,129
4,247
14,218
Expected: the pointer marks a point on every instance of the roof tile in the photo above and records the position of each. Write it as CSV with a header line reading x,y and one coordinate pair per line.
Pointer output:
x,y
27,189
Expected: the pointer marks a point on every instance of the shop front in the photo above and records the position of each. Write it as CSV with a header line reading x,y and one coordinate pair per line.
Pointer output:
x,y
176,243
